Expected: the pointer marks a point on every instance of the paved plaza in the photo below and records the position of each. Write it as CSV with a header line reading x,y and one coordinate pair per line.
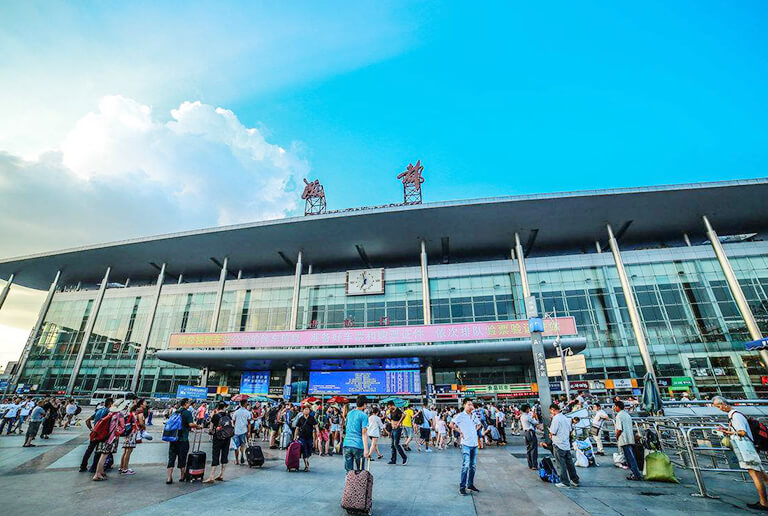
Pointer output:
x,y
44,480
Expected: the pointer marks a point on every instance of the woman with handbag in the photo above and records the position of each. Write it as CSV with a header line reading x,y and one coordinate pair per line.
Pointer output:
x,y
134,427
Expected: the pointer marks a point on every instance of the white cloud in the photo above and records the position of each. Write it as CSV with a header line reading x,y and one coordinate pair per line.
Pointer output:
x,y
121,172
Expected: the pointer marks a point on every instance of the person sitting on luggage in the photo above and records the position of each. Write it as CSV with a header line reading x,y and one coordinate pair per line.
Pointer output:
x,y
222,430
305,433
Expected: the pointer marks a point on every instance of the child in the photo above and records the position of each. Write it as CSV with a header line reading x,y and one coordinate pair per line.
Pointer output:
x,y
441,431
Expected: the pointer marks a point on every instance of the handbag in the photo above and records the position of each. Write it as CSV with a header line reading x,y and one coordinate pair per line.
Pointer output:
x,y
746,449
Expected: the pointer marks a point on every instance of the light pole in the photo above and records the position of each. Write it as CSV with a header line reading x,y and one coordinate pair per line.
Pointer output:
x,y
561,353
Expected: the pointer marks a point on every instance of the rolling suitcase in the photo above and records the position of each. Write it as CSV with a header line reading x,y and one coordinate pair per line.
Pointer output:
x,y
196,460
293,455
254,455
357,497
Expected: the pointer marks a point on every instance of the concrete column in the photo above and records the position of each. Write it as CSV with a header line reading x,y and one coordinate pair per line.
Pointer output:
x,y
309,269
735,288
537,345
430,382
219,295
6,289
204,377
148,330
598,247
425,297
288,380
686,239
296,291
629,299
88,331
36,330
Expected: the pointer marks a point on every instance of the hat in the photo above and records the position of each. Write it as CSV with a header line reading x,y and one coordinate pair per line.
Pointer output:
x,y
120,405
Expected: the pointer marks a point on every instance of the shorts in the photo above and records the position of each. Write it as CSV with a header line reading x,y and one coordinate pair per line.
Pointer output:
x,y
743,464
32,429
335,428
424,433
240,440
220,452
275,427
306,448
177,454
408,430
105,447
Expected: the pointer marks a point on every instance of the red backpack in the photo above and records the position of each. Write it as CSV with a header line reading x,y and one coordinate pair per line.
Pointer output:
x,y
100,431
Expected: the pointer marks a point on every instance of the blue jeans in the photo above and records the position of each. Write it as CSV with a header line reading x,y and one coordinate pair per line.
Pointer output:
x,y
468,465
396,447
629,454
353,458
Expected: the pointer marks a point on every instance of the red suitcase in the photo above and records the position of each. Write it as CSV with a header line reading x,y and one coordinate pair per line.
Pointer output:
x,y
293,456
358,492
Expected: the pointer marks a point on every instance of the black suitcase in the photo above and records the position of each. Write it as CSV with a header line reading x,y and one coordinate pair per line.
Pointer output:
x,y
254,456
196,460
639,455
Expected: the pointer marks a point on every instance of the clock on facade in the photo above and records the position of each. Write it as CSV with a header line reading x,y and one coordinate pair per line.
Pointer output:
x,y
365,281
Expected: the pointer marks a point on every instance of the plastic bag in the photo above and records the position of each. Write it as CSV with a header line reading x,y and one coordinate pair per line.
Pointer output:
x,y
581,459
746,449
658,468
618,459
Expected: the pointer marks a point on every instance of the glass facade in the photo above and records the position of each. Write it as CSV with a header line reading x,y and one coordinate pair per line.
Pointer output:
x,y
692,324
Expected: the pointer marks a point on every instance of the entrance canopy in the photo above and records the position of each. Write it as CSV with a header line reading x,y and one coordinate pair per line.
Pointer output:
x,y
443,356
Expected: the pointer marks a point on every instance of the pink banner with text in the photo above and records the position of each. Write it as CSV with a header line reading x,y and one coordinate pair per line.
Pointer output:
x,y
371,336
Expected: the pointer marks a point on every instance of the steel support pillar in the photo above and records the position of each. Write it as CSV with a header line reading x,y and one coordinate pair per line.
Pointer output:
x,y
219,295
88,331
147,331
36,330
425,297
296,292
629,299
735,288
6,290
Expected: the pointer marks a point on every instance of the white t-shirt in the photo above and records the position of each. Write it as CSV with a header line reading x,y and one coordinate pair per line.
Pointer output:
x,y
440,426
467,424
27,407
561,431
241,418
599,418
13,410
739,422
527,420
500,416
71,408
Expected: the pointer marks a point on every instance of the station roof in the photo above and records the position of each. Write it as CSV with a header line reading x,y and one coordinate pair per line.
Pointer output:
x,y
389,236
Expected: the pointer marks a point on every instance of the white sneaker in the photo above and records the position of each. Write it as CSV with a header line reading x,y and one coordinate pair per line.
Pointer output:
x,y
560,484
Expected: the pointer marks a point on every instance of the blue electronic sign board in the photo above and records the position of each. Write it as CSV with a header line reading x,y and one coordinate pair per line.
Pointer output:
x,y
254,382
365,382
192,392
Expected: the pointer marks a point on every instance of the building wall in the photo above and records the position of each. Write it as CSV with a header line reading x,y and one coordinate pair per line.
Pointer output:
x,y
690,319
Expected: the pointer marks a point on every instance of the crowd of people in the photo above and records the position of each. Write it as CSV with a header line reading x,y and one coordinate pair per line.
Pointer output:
x,y
354,434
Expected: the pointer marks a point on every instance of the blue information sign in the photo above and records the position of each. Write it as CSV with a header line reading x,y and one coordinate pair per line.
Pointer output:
x,y
3,385
192,392
254,382
757,344
365,382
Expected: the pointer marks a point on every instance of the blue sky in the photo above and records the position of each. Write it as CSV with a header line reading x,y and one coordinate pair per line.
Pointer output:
x,y
127,119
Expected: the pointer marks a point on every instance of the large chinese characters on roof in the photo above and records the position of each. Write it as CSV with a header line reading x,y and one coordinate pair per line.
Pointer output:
x,y
412,180
314,195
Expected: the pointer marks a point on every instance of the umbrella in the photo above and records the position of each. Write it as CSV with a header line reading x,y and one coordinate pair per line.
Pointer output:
x,y
338,399
399,402
311,399
259,398
239,397
651,399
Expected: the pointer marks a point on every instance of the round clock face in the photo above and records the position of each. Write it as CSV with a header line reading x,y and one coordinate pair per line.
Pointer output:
x,y
365,282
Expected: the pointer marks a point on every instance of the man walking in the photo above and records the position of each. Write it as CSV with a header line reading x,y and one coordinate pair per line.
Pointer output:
x,y
625,437
560,432
356,436
467,424
598,419
528,420
35,420
241,418
743,445
396,417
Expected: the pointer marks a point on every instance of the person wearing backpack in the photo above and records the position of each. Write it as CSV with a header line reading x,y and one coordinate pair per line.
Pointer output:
x,y
90,422
107,432
176,433
222,431
745,439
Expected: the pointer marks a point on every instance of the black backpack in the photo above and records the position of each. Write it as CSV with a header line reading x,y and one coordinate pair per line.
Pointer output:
x,y
419,418
759,433
547,471
225,429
